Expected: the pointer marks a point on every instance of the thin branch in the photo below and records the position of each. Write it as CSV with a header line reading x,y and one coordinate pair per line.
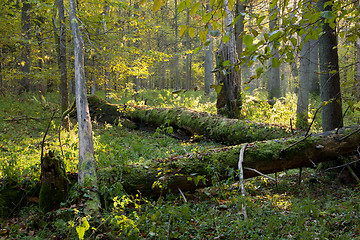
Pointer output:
x,y
301,140
347,136
260,173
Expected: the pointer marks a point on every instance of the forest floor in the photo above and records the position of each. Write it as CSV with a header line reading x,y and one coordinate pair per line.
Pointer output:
x,y
313,205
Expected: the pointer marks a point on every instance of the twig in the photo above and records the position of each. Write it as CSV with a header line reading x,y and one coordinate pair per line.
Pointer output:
x,y
20,118
68,111
182,194
43,141
260,173
241,173
353,174
301,140
313,119
345,137
300,171
343,165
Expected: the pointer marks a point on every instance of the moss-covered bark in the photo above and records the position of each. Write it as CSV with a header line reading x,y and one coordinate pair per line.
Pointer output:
x,y
54,183
194,171
230,131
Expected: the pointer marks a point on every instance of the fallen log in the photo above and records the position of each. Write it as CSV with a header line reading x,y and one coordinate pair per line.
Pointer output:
x,y
225,130
197,170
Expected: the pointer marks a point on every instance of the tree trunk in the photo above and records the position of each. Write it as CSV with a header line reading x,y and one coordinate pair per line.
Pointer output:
x,y
314,68
87,176
64,88
229,99
274,78
329,78
25,63
303,93
197,170
230,131
209,60
239,29
358,68
177,80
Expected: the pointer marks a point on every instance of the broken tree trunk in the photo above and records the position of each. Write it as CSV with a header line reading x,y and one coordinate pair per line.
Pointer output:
x,y
197,170
226,130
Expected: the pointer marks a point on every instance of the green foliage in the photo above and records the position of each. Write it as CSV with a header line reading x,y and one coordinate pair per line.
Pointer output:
x,y
319,205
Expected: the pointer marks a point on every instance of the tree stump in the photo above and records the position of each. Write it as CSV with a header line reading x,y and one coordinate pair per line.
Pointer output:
x,y
54,183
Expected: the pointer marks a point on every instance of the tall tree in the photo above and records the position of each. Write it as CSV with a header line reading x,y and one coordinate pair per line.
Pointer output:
x,y
274,78
177,80
314,87
64,88
239,28
329,69
87,176
229,98
303,92
25,63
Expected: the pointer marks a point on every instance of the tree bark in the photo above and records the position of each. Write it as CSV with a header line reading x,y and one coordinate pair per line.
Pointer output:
x,y
87,176
274,78
229,131
329,73
303,93
229,100
64,88
197,170
314,68
209,60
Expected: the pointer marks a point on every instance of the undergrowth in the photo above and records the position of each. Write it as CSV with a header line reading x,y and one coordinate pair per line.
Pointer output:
x,y
318,208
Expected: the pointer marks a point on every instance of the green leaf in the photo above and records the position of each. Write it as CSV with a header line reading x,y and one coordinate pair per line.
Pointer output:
x,y
181,6
226,63
273,4
157,5
275,35
327,14
188,3
206,18
202,35
260,19
248,40
293,41
191,32
259,71
275,63
197,49
182,30
226,38
194,8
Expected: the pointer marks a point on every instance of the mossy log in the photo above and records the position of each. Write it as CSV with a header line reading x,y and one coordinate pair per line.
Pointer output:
x,y
225,130
197,170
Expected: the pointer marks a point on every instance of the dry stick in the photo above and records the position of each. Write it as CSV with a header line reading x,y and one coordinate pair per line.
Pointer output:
x,y
345,137
307,132
353,174
241,173
43,141
260,173
343,165
62,119
182,194
301,140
